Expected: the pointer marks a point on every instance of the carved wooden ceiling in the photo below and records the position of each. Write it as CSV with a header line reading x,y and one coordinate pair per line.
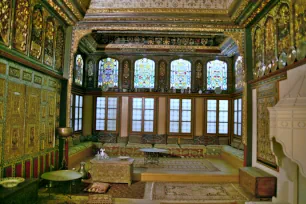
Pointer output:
x,y
194,26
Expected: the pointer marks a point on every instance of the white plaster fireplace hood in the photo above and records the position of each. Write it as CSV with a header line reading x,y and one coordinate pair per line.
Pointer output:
x,y
288,120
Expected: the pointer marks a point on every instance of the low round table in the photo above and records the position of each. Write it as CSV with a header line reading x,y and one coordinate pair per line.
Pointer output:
x,y
151,155
61,175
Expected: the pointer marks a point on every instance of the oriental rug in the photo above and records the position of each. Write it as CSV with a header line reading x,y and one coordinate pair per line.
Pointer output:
x,y
177,164
196,192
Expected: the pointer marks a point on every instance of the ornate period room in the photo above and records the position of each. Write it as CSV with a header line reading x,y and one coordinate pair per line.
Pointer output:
x,y
153,102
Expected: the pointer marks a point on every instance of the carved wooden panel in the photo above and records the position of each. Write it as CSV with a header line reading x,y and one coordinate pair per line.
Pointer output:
x,y
258,51
37,31
300,22
14,141
59,52
198,75
126,76
49,42
2,84
283,29
270,42
2,68
162,74
267,96
32,120
21,25
5,15
1,139
1,110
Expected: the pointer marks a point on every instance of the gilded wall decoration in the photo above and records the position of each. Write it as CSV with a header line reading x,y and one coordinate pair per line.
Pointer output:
x,y
300,26
5,15
60,12
33,98
283,29
199,75
103,39
2,85
1,110
21,25
238,73
90,74
258,52
14,141
37,79
162,74
1,139
267,96
49,42
188,4
27,76
36,35
2,68
270,42
59,52
14,72
126,76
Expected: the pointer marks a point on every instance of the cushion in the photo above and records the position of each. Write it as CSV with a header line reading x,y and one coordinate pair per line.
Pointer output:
x,y
97,187
135,139
122,140
99,199
76,140
172,140
206,140
147,139
160,139
108,137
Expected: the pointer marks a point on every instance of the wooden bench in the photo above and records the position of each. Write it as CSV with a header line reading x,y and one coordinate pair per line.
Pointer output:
x,y
257,182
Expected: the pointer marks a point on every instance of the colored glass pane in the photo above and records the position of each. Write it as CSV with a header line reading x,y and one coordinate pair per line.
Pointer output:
x,y
216,75
180,74
108,72
78,72
144,75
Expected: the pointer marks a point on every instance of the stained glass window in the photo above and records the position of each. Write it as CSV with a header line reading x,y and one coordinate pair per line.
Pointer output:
x,y
217,116
216,75
108,72
238,73
180,116
144,74
78,71
106,113
143,114
237,116
180,77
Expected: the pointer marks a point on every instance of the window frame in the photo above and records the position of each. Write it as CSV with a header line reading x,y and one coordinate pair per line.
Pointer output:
x,y
72,111
130,129
106,115
180,117
237,123
217,118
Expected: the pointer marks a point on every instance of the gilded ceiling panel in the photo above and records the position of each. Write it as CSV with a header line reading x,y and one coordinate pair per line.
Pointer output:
x,y
192,4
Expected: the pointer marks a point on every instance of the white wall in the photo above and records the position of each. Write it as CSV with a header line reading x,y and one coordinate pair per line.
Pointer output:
x,y
289,182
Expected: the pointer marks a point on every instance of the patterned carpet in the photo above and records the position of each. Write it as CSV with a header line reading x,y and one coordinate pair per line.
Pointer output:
x,y
178,164
196,192
116,190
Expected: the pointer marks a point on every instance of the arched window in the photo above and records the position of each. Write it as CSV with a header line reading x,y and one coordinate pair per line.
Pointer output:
x,y
216,75
78,71
108,72
180,77
144,74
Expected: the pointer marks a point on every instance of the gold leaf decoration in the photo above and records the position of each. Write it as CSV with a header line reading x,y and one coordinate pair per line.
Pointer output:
x,y
21,25
5,14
